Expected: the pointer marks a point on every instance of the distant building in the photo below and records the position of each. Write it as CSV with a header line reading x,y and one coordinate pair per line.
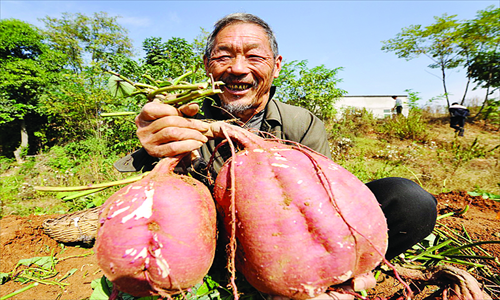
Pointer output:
x,y
380,105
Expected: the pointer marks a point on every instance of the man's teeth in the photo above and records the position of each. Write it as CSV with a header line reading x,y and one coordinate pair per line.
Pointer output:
x,y
238,87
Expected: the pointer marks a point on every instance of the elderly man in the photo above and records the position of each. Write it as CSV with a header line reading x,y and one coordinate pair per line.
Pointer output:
x,y
243,53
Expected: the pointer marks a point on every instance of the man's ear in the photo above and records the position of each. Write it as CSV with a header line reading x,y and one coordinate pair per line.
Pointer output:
x,y
277,66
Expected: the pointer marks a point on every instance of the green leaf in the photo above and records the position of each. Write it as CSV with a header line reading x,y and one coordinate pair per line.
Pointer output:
x,y
102,289
44,262
164,84
4,277
485,195
474,194
119,87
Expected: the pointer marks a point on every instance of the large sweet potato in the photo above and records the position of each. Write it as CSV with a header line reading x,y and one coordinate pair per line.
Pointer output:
x,y
157,235
303,223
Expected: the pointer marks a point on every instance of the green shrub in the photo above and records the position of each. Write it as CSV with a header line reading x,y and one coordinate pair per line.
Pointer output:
x,y
5,163
352,122
413,127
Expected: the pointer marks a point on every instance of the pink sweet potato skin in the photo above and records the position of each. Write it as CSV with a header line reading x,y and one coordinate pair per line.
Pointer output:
x,y
293,240
157,235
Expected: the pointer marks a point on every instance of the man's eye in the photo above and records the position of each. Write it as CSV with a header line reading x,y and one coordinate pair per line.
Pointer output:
x,y
222,58
255,58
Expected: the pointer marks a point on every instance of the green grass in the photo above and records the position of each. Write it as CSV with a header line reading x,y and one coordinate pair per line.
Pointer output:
x,y
73,165
360,143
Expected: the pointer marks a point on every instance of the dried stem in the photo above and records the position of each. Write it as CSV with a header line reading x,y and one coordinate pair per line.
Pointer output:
x,y
232,242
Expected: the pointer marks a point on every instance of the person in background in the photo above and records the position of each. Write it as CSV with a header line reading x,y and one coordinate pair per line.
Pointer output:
x,y
398,105
458,114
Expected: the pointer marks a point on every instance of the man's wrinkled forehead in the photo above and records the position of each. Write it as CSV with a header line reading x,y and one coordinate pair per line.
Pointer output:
x,y
244,38
226,47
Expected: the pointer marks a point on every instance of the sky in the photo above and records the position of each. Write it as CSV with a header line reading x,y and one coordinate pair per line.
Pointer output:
x,y
345,34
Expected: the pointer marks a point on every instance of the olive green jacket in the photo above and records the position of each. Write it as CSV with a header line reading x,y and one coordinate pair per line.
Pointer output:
x,y
282,120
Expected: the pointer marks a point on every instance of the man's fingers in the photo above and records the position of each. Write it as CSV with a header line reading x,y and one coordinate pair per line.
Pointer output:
x,y
174,121
174,148
170,134
189,109
164,131
155,110
364,282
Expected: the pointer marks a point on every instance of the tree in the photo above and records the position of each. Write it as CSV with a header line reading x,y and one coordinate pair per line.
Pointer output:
x,y
449,43
438,41
87,40
485,71
27,68
314,89
480,40
172,58
199,43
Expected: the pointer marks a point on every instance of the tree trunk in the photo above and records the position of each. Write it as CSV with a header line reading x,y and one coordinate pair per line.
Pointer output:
x,y
24,143
466,89
444,86
485,98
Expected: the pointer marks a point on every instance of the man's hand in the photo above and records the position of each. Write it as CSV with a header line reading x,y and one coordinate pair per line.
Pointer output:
x,y
164,131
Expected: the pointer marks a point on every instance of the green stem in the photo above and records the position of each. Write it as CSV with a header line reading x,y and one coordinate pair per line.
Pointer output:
x,y
178,79
47,282
445,215
196,86
19,291
151,79
473,257
454,260
81,194
193,95
414,175
75,256
463,211
468,246
431,249
122,77
90,186
144,85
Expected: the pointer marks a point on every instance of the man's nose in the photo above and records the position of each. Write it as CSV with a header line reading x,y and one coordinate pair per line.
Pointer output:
x,y
239,65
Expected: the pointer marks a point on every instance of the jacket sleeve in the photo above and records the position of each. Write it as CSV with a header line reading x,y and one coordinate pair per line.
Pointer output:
x,y
316,137
139,160
300,125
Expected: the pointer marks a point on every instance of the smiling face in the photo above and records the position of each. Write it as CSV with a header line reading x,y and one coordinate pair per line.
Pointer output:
x,y
242,58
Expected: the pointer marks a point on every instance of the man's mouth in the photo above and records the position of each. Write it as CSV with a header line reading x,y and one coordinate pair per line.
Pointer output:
x,y
238,87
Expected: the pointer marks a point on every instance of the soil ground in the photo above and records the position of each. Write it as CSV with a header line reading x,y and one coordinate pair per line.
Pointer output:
x,y
481,222
23,237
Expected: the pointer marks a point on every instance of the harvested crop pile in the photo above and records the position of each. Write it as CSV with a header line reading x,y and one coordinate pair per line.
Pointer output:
x,y
157,236
299,219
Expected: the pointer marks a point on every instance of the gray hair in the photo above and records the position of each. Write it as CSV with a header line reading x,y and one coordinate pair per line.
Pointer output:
x,y
240,18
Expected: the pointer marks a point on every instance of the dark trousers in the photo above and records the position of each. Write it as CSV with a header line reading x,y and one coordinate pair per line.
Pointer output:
x,y
399,109
410,212
458,124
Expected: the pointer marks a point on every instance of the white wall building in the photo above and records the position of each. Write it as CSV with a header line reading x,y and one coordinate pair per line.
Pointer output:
x,y
380,105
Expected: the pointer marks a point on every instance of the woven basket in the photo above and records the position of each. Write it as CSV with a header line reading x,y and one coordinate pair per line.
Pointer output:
x,y
76,227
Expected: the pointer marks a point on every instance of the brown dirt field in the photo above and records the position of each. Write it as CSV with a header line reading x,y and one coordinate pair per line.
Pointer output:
x,y
23,237
481,222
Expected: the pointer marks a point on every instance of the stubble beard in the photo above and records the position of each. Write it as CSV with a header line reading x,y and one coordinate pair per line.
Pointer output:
x,y
235,108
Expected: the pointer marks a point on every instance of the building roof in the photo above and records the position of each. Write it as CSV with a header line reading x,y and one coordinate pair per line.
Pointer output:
x,y
374,96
